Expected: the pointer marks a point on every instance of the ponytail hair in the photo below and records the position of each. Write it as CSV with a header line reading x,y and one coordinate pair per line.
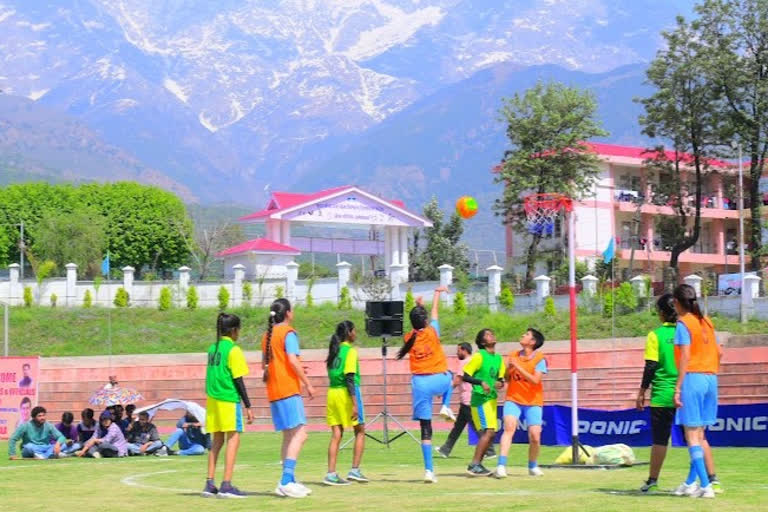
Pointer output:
x,y
418,316
225,324
343,330
277,312
686,296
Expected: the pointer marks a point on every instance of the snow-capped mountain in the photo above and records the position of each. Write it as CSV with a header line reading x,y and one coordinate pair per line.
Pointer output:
x,y
213,91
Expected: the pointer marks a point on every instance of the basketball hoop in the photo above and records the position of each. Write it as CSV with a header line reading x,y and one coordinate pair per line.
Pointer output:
x,y
542,209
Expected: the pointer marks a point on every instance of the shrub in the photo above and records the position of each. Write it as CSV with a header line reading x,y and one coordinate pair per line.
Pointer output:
x,y
122,299
247,292
459,304
54,298
608,304
223,297
310,301
507,298
28,300
626,299
87,299
279,292
410,301
549,307
164,303
345,300
192,298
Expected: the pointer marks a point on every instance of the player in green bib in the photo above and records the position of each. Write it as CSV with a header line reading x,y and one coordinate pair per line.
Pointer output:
x,y
660,375
345,403
485,371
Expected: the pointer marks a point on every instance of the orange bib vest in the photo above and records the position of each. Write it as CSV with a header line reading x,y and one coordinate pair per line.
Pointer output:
x,y
704,353
520,390
426,355
282,381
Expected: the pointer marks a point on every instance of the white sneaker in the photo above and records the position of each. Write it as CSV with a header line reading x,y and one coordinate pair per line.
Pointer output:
x,y
429,477
290,490
704,492
535,471
303,487
39,456
447,413
96,455
501,472
686,490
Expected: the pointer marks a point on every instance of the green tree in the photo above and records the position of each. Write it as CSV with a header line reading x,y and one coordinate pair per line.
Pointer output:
x,y
223,298
87,299
309,300
164,303
548,128
549,307
247,292
626,299
54,299
208,240
442,245
459,304
28,298
345,299
507,298
279,292
410,300
78,237
122,298
192,298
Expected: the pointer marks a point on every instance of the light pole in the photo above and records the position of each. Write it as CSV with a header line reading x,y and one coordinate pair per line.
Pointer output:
x,y
743,298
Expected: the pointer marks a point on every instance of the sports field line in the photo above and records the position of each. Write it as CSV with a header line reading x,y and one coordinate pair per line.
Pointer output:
x,y
132,481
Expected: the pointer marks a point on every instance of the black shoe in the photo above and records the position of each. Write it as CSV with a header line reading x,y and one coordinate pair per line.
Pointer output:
x,y
477,470
442,452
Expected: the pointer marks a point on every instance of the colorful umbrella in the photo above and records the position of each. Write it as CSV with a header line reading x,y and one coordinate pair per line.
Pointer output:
x,y
172,404
115,396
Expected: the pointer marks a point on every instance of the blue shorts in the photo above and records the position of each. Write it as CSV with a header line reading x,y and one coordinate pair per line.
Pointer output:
x,y
532,413
699,397
424,388
288,413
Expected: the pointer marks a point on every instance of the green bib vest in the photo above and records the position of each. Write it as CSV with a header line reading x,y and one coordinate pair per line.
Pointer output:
x,y
488,373
663,385
218,377
336,371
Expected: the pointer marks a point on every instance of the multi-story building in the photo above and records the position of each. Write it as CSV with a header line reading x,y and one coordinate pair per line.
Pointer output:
x,y
626,203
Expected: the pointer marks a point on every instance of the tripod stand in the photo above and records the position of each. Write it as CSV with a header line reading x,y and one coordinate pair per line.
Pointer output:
x,y
384,415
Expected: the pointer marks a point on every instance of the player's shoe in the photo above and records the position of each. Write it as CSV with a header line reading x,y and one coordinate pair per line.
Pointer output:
x,y
490,454
304,488
357,476
429,477
210,490
716,485
650,485
501,472
704,492
96,455
290,490
228,490
440,451
334,479
478,470
686,490
535,471
447,413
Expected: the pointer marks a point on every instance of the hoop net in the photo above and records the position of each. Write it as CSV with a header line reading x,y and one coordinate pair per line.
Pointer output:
x,y
541,210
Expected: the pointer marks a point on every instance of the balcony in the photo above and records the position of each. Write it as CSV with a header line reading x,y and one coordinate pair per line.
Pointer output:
x,y
659,204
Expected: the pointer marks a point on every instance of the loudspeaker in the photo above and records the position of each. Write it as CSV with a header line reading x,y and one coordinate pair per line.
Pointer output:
x,y
384,318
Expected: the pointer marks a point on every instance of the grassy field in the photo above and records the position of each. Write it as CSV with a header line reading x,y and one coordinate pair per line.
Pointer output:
x,y
172,484
67,332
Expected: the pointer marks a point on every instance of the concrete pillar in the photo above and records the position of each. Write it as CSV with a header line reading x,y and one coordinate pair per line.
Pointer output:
x,y
285,232
542,288
14,291
446,279
718,226
751,287
694,281
291,275
394,245
404,251
344,271
638,285
589,285
71,284
184,278
396,273
494,286
387,250
717,183
128,280
237,292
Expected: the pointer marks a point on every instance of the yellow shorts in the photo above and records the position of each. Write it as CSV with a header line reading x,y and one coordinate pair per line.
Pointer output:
x,y
223,416
339,408
486,416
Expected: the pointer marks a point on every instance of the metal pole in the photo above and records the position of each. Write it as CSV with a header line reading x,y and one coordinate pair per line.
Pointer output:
x,y
5,327
21,249
572,300
742,302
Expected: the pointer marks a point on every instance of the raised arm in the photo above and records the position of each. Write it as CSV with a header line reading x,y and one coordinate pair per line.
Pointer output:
x,y
436,301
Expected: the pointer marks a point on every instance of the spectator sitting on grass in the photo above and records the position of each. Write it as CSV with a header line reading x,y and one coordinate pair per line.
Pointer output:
x,y
35,436
86,427
127,423
189,434
69,431
107,440
117,417
143,438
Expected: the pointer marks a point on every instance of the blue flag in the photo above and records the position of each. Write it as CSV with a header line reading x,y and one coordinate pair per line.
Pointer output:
x,y
105,265
610,251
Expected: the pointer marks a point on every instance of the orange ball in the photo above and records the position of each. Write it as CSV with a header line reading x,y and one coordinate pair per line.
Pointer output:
x,y
466,207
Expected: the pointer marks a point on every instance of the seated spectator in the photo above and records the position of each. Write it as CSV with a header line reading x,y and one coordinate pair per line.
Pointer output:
x,y
117,416
107,440
143,438
35,436
86,427
69,431
189,434
127,423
